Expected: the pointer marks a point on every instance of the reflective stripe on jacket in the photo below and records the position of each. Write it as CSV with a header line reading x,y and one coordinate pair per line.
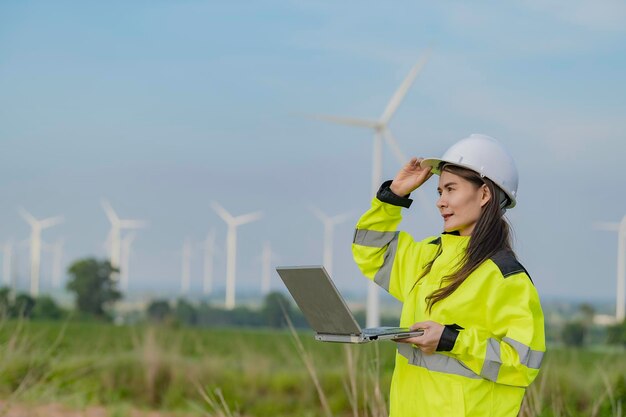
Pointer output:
x,y
500,342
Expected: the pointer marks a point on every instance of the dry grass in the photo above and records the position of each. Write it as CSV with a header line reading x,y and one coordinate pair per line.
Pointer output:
x,y
235,372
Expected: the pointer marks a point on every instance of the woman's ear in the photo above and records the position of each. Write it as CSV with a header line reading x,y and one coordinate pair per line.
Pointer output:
x,y
485,195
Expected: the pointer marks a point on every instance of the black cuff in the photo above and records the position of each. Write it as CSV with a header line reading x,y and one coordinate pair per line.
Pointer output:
x,y
385,195
448,337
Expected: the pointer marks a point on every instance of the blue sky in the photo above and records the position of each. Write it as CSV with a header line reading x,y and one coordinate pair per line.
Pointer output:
x,y
165,106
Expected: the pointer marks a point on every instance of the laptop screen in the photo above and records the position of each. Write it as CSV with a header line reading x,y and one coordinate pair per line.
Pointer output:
x,y
319,300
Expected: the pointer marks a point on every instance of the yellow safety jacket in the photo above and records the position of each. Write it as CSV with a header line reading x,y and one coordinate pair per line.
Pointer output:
x,y
493,343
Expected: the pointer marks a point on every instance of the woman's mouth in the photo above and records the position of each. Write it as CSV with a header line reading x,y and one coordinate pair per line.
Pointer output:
x,y
446,216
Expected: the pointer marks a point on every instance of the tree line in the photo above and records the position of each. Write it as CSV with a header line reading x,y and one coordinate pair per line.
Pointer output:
x,y
95,294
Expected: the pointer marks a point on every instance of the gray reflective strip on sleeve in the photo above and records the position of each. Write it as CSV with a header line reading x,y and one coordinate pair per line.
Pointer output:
x,y
492,363
376,239
527,356
436,362
373,238
383,276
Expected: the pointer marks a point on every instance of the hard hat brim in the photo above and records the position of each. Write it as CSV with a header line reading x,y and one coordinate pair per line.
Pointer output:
x,y
433,164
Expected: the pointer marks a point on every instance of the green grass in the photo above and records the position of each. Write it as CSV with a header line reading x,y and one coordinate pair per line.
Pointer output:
x,y
258,372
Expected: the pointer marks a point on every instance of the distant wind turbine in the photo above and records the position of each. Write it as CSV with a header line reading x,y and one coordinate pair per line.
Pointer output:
x,y
35,245
231,247
117,225
267,256
329,226
382,132
620,228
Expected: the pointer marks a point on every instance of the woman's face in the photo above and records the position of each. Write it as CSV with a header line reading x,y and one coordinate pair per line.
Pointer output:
x,y
460,202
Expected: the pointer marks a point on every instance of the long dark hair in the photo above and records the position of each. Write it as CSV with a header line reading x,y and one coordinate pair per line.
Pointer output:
x,y
491,234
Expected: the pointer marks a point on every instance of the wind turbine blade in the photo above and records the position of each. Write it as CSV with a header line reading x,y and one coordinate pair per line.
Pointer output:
x,y
612,227
398,96
248,218
108,210
51,221
319,214
340,218
221,211
30,219
395,148
349,121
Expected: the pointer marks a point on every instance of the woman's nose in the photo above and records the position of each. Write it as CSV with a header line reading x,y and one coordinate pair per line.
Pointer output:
x,y
441,202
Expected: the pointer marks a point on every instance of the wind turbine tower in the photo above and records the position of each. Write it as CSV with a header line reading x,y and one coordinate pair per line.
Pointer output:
x,y
267,255
620,301
382,132
35,245
231,247
329,229
117,225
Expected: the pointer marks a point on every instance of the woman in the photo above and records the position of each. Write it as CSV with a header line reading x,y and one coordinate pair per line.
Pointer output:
x,y
483,339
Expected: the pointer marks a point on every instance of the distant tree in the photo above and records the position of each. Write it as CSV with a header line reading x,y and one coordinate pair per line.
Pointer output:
x,y
159,310
616,335
91,282
47,308
185,312
5,301
244,316
275,306
23,306
573,334
587,311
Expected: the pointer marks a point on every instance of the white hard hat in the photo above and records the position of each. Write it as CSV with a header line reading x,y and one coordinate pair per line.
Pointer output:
x,y
486,156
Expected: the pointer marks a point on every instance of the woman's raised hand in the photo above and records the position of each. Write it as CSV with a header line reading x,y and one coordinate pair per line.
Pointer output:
x,y
410,177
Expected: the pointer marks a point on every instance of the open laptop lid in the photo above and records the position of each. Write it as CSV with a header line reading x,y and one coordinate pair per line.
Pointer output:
x,y
320,302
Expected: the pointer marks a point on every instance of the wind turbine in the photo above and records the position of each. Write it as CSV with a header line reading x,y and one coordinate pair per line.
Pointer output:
x,y
126,244
231,247
35,245
382,131
185,278
329,226
620,228
7,255
117,225
266,264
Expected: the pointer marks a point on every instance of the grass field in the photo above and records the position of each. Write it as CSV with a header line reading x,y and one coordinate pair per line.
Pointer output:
x,y
252,373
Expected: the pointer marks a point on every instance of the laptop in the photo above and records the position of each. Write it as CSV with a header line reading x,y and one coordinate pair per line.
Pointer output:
x,y
326,311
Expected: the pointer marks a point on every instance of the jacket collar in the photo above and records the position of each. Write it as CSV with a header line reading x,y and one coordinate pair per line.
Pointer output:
x,y
454,239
